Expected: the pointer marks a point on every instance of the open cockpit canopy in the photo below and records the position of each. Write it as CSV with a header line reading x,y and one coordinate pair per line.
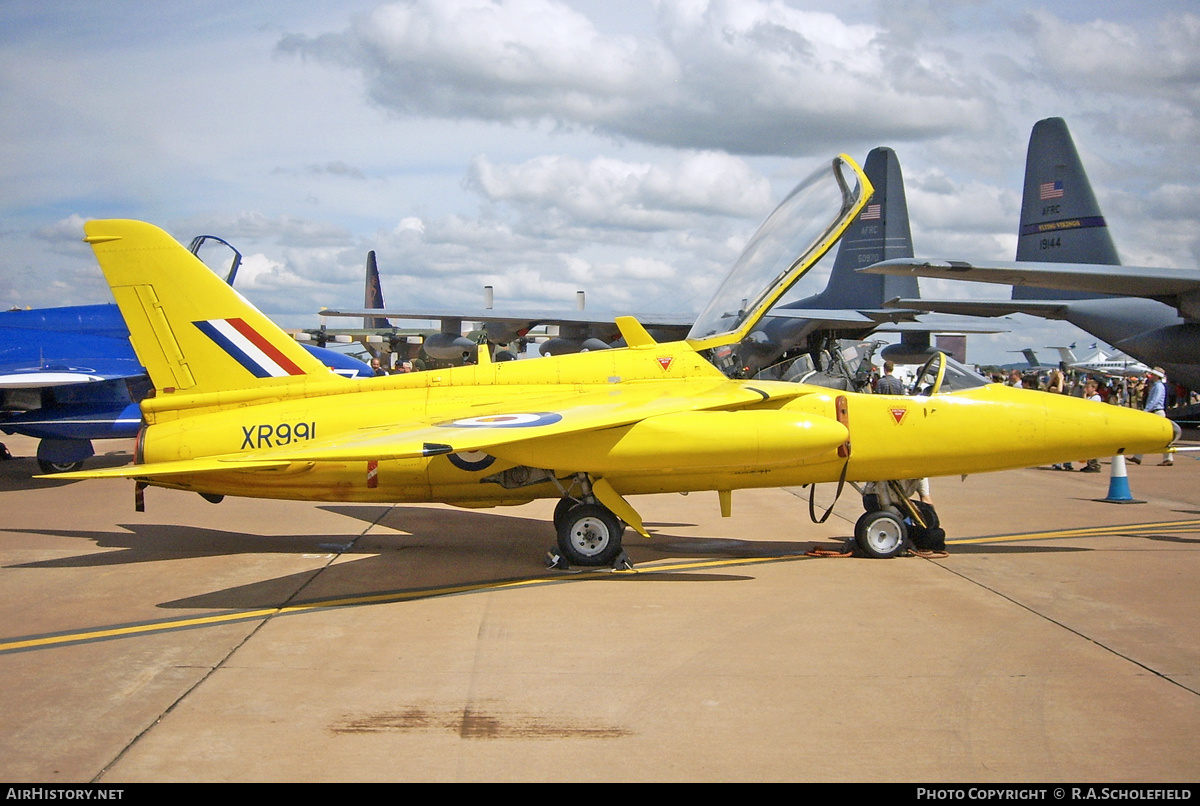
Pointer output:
x,y
794,237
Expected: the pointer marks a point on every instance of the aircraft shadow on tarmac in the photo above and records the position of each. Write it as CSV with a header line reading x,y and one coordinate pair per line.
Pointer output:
x,y
435,551
428,551
18,473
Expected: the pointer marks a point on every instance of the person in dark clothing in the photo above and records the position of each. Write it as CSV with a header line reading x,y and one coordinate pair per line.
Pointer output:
x,y
889,384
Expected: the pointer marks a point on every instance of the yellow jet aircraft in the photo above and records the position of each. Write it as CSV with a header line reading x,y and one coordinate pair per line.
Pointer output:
x,y
241,409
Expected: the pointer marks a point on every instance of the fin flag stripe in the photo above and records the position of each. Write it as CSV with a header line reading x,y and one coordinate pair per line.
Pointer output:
x,y
270,350
248,347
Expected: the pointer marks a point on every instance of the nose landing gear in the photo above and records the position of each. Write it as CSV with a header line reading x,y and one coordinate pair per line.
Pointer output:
x,y
880,534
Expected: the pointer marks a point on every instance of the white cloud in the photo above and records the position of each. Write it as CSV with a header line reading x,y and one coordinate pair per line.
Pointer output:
x,y
494,61
751,77
250,226
260,273
606,192
1111,56
938,202
69,229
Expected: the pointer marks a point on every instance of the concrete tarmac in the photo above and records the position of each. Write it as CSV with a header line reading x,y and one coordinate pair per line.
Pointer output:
x,y
282,641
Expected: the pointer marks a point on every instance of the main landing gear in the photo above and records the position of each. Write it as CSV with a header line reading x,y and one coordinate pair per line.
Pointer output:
x,y
589,534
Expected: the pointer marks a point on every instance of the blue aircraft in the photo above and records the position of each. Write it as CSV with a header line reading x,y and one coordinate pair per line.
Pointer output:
x,y
69,376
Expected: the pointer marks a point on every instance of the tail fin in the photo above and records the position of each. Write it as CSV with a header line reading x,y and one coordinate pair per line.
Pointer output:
x,y
191,330
1066,355
373,295
881,232
1060,219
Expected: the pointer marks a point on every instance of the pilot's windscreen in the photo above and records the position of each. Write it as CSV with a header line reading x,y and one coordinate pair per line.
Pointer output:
x,y
959,377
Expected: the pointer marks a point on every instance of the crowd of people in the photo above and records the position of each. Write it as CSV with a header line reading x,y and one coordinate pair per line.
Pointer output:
x,y
403,366
1131,392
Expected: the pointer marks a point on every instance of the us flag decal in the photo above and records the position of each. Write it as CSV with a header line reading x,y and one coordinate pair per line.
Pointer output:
x,y
1050,190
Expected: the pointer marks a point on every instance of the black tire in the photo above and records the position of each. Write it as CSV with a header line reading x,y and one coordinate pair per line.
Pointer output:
x,y
59,467
561,509
881,534
590,535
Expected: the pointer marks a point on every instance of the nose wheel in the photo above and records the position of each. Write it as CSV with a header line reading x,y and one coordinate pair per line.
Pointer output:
x,y
588,534
880,534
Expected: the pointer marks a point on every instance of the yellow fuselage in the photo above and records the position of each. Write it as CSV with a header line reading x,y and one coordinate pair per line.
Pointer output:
x,y
792,437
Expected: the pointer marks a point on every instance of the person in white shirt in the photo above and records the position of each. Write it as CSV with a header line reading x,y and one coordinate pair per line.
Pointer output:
x,y
1156,403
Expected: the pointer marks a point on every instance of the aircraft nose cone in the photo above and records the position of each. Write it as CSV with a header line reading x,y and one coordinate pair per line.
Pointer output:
x,y
1104,430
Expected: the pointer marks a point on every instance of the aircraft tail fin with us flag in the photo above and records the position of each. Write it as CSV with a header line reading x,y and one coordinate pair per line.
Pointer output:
x,y
1060,217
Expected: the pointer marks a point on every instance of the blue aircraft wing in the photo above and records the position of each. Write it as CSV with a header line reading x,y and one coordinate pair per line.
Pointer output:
x,y
51,347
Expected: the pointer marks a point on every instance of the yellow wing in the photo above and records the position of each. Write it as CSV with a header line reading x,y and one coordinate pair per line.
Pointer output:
x,y
574,424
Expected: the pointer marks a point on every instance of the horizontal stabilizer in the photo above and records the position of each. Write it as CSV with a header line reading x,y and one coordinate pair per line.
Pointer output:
x,y
1127,281
947,326
181,467
832,315
1047,309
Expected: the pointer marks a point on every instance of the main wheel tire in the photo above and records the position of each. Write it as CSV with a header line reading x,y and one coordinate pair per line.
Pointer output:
x,y
880,534
590,534
561,509
59,467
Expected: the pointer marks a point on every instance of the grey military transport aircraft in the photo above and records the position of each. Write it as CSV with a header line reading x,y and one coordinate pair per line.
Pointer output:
x,y
1067,268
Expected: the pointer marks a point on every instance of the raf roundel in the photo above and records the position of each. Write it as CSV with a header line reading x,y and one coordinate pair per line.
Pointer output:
x,y
471,460
526,420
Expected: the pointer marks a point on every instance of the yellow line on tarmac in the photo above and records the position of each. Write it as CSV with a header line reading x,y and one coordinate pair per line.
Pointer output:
x,y
154,627
102,633
1089,531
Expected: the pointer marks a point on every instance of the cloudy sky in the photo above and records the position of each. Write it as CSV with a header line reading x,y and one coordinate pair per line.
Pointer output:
x,y
624,148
